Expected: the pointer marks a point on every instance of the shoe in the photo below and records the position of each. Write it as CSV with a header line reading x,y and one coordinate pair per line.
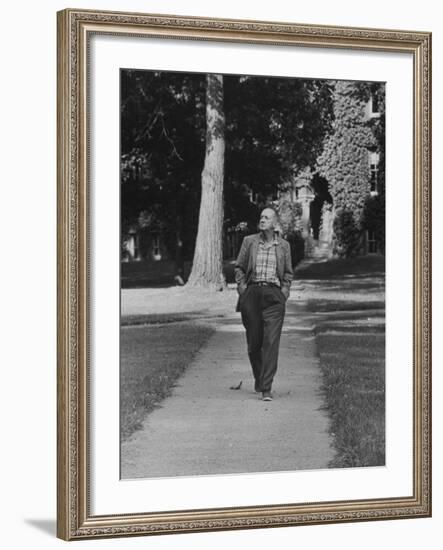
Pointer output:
x,y
266,396
257,388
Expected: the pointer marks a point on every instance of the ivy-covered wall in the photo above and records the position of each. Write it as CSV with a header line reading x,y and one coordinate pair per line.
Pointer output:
x,y
344,163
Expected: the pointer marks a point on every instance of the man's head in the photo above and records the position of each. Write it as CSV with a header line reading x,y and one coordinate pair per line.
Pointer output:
x,y
268,219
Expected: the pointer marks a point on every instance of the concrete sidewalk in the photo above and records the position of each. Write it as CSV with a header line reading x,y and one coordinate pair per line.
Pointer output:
x,y
205,427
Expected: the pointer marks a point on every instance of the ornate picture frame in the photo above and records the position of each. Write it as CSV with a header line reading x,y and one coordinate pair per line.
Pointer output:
x,y
75,519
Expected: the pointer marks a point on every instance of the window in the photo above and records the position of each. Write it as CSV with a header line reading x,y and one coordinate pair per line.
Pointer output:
x,y
252,196
156,244
372,242
372,109
374,159
136,254
374,100
374,178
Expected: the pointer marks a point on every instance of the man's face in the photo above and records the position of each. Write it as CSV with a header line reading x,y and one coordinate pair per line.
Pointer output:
x,y
267,220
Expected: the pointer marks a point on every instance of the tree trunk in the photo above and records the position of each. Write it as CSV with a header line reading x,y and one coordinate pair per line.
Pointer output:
x,y
207,267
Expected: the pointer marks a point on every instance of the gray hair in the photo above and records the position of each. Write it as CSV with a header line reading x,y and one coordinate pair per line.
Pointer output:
x,y
277,226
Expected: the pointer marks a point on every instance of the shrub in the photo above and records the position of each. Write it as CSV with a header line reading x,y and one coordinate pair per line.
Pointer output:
x,y
346,234
290,222
373,219
297,244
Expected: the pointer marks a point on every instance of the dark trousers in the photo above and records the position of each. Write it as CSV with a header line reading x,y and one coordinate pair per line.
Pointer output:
x,y
262,310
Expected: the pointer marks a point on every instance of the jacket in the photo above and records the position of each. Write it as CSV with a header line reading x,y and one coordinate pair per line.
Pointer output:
x,y
245,263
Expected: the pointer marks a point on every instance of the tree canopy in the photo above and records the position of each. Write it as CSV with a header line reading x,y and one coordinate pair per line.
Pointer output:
x,y
274,128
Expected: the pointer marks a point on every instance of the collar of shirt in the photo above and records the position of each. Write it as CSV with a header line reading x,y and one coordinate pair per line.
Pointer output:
x,y
268,244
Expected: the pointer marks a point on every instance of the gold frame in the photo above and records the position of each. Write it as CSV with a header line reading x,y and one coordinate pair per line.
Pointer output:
x,y
74,520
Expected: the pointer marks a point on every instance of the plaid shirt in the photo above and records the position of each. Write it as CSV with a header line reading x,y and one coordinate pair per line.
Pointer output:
x,y
266,264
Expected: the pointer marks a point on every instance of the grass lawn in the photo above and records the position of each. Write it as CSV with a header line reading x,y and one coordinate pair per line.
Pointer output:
x,y
360,266
346,298
175,301
152,359
353,367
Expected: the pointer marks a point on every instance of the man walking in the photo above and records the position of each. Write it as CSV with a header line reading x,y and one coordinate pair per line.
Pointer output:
x,y
263,273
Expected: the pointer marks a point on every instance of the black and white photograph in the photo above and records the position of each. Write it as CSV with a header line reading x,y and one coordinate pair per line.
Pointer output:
x,y
252,274
221,236
243,274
